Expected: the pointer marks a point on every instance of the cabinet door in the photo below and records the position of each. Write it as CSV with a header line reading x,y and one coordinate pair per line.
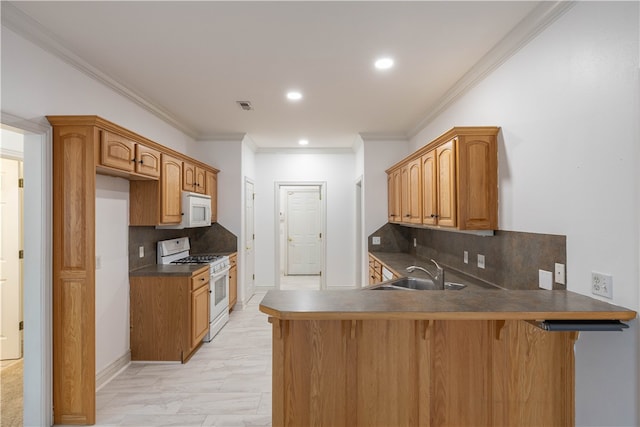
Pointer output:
x,y
429,189
478,182
188,177
199,314
171,178
200,180
393,196
211,188
411,192
147,161
233,286
117,152
446,169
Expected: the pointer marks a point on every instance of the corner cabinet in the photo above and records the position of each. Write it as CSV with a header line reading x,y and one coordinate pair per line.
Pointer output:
x,y
452,182
169,315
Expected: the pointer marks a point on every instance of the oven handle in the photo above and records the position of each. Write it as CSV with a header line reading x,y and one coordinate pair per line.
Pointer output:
x,y
218,274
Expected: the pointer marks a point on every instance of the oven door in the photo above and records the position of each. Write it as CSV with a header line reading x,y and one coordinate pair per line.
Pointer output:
x,y
219,303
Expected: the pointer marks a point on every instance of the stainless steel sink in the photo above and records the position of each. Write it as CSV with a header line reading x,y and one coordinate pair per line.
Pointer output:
x,y
415,284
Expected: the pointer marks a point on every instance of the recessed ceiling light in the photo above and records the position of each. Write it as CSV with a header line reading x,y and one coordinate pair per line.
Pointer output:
x,y
303,142
294,95
384,63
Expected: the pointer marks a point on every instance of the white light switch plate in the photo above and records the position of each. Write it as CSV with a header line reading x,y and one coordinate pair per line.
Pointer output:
x,y
466,257
375,240
141,251
480,261
545,279
560,273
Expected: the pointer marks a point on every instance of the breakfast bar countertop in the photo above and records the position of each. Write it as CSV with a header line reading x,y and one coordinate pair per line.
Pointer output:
x,y
466,304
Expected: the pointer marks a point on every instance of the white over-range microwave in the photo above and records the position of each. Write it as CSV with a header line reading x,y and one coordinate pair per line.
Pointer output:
x,y
196,211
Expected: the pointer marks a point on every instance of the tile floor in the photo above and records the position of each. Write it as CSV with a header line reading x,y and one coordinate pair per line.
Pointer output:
x,y
226,383
299,282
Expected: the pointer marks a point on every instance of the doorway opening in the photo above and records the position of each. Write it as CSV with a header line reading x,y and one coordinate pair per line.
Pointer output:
x,y
11,277
301,235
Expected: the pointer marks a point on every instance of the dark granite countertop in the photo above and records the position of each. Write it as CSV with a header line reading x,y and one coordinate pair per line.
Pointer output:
x,y
468,304
168,270
399,261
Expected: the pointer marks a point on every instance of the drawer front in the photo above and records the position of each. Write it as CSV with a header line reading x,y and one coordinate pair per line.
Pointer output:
x,y
199,280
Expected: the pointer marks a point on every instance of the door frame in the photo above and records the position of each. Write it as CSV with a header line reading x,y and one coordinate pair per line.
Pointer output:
x,y
244,296
38,244
323,226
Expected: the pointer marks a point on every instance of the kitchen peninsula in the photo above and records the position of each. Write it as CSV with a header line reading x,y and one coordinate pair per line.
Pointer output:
x,y
470,357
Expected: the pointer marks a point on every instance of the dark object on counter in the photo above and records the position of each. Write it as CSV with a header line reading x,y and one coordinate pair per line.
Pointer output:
x,y
582,325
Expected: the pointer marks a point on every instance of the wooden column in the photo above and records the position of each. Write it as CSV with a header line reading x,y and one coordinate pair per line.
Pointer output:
x,y
73,273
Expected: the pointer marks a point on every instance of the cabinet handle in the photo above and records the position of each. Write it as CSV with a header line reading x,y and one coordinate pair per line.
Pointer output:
x,y
133,160
202,278
140,161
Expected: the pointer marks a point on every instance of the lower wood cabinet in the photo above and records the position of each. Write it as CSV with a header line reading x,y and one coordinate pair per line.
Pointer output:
x,y
169,315
233,280
375,270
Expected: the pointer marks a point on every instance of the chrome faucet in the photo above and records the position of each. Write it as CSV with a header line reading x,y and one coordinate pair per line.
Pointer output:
x,y
438,278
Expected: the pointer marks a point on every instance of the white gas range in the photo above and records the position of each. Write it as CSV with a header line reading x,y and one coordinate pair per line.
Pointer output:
x,y
176,251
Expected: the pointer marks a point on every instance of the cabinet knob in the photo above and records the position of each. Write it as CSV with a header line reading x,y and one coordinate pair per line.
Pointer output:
x,y
133,160
140,161
202,279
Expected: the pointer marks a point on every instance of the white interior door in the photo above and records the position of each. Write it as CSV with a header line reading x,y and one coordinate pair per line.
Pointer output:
x,y
249,224
304,231
10,347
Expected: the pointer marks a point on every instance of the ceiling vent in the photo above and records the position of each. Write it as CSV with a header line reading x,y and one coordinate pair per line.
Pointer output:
x,y
245,105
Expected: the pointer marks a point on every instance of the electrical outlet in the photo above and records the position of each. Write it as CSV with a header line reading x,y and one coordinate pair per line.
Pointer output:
x,y
141,251
602,284
480,261
559,273
415,242
545,279
375,240
98,262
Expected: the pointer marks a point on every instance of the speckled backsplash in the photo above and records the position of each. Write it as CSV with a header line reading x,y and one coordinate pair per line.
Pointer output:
x,y
512,259
214,239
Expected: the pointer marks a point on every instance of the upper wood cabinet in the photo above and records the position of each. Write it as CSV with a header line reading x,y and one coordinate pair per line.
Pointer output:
x,y
193,178
211,189
170,190
411,192
451,182
394,188
123,154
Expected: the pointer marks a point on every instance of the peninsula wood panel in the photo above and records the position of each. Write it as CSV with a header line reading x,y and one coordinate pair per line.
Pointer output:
x,y
421,372
313,374
74,274
387,380
520,395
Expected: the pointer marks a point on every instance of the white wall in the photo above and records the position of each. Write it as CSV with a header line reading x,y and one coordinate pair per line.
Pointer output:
x,y
379,155
36,84
568,107
225,156
112,279
338,171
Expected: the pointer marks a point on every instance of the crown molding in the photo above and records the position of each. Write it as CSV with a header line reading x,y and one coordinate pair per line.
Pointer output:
x,y
38,125
232,136
304,150
375,136
531,25
27,27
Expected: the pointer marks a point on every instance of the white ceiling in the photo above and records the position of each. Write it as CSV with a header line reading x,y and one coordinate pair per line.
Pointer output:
x,y
194,60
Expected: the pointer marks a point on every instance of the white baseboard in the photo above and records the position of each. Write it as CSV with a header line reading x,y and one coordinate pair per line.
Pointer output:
x,y
111,371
